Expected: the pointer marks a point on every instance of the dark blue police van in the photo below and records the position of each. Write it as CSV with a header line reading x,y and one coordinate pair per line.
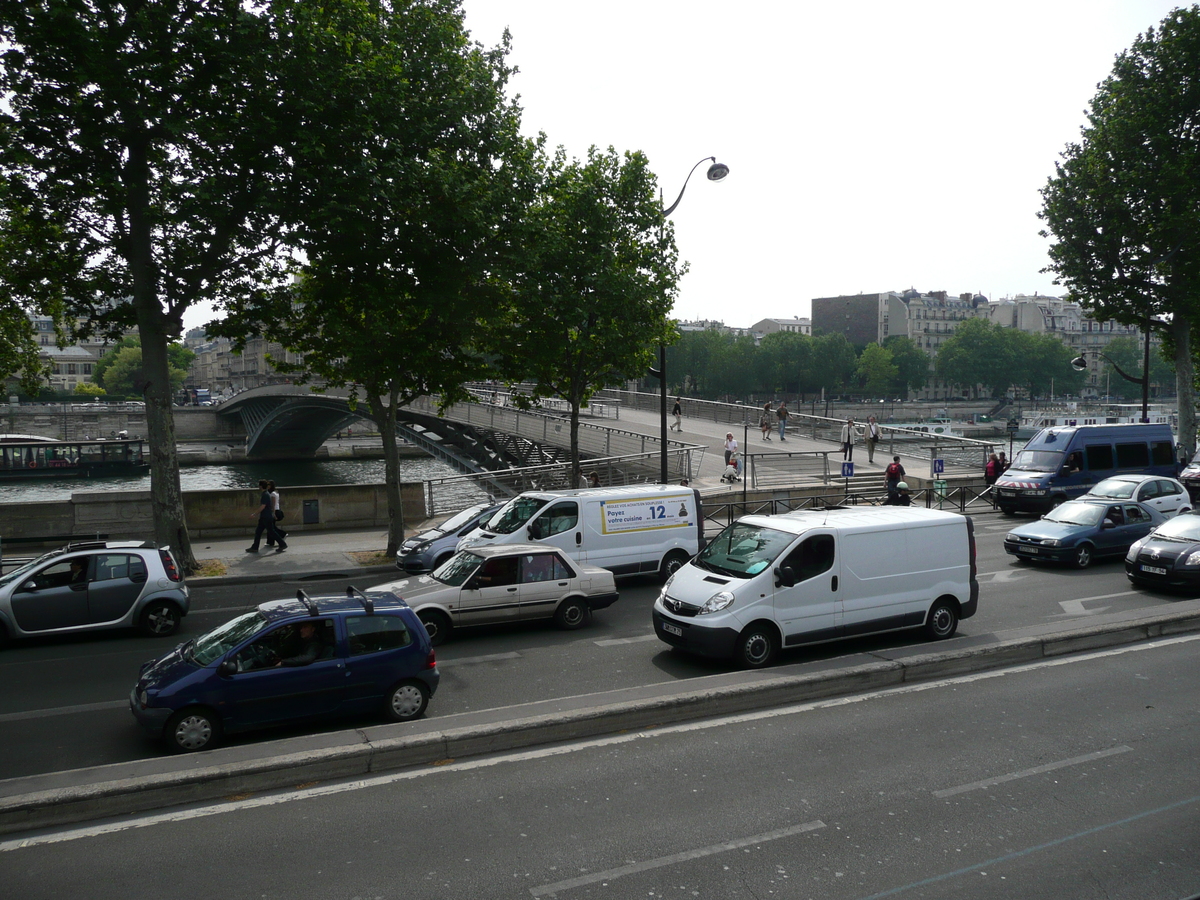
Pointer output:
x,y
1061,463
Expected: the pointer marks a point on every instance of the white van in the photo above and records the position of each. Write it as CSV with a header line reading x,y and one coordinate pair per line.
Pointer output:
x,y
627,530
768,582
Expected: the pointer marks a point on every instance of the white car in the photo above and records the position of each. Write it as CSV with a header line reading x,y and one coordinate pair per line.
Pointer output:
x,y
505,583
1166,495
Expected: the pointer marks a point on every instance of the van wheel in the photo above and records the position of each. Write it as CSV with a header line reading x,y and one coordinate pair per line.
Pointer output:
x,y
942,621
672,563
1056,502
436,625
1083,556
571,614
757,646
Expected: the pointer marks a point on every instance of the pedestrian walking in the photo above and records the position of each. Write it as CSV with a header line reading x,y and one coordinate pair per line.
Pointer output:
x,y
782,415
277,512
849,436
593,479
731,446
1003,464
765,421
893,475
677,412
873,435
266,520
991,472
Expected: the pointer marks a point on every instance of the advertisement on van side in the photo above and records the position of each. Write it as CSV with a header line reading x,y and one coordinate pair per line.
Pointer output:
x,y
620,516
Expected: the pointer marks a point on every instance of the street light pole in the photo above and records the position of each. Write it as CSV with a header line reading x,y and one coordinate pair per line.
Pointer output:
x,y
716,172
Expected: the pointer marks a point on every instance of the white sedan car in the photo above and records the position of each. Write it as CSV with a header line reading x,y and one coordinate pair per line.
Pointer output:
x,y
505,583
1166,495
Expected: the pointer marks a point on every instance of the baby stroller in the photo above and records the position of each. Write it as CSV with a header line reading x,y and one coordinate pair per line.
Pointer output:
x,y
731,471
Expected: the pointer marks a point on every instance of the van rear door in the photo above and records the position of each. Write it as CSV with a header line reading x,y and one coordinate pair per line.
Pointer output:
x,y
809,610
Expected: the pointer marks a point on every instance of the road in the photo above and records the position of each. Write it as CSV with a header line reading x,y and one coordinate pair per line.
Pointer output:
x,y
1072,778
65,701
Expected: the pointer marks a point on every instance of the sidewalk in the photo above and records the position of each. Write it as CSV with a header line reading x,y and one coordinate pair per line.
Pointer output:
x,y
314,554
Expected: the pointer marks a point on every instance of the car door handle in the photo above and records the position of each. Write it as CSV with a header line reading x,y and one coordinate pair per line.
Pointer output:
x,y
512,589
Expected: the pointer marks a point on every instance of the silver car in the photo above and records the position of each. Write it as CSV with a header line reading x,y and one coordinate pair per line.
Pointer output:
x,y
93,586
505,583
429,549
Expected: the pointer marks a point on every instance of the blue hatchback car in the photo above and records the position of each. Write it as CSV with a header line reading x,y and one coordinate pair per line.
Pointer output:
x,y
1080,531
288,660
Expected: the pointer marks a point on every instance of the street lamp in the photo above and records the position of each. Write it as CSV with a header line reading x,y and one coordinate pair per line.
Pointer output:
x,y
1079,364
716,172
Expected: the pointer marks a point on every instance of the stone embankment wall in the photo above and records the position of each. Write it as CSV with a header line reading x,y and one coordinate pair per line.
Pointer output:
x,y
210,514
81,421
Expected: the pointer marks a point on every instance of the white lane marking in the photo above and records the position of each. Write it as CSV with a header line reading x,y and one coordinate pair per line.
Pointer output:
x,y
1076,608
1006,577
563,750
649,864
472,660
612,642
1038,770
64,710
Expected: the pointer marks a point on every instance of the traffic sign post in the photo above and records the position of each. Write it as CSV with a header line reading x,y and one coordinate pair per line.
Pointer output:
x,y
847,473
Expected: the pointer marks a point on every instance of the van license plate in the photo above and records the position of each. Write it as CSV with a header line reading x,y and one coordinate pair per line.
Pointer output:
x,y
672,629
1154,570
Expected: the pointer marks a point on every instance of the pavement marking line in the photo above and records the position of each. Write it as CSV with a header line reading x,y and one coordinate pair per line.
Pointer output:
x,y
327,790
64,710
1009,857
612,642
649,864
1037,770
471,660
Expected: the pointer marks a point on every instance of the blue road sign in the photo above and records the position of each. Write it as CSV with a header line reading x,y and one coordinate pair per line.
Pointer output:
x,y
939,466
847,470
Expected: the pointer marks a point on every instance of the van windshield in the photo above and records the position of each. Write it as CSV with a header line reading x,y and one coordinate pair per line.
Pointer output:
x,y
743,550
1038,461
515,514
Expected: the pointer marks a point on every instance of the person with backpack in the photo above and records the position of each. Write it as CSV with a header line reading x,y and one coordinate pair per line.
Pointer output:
x,y
892,476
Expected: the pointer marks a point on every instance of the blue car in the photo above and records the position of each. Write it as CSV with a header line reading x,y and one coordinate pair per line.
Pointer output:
x,y
1080,531
428,550
288,660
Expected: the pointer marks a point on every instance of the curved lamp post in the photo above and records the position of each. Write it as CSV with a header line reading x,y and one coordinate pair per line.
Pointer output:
x,y
716,172
1079,364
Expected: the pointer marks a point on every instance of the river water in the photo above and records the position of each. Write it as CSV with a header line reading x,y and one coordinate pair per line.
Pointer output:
x,y
285,473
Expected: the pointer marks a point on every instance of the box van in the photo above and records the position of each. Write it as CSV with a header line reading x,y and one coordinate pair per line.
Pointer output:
x,y
627,530
1062,463
769,582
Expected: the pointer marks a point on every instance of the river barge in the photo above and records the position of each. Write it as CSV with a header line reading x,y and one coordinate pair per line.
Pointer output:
x,y
23,457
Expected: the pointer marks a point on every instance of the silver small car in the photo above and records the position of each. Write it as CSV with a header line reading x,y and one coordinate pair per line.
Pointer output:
x,y
93,586
429,549
505,583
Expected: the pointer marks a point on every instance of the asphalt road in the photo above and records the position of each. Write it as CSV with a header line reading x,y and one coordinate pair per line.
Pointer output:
x,y
1072,778
65,702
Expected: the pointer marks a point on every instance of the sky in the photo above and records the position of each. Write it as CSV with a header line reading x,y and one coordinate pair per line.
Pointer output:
x,y
872,146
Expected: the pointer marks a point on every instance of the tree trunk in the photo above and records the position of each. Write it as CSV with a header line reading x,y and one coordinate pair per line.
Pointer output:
x,y
1185,375
576,469
385,418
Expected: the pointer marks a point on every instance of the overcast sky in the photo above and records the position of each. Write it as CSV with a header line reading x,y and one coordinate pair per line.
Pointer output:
x,y
873,146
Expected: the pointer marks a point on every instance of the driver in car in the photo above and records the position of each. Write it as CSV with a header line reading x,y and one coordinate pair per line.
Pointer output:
x,y
309,647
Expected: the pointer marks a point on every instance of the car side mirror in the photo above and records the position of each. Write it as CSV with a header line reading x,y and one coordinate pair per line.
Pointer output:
x,y
229,667
785,576
535,530
1107,523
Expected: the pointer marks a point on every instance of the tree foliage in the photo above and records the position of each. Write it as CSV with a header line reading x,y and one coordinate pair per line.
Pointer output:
x,y
876,372
596,284
1123,204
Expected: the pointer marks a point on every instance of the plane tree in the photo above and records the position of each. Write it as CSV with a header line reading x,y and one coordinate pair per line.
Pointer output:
x,y
1122,206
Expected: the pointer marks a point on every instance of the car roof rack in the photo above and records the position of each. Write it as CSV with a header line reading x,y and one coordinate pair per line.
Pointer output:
x,y
85,545
309,603
367,603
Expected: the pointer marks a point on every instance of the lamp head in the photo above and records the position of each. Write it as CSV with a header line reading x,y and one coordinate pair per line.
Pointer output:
x,y
717,171
1079,364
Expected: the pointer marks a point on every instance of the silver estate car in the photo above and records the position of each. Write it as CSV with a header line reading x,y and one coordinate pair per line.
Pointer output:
x,y
93,586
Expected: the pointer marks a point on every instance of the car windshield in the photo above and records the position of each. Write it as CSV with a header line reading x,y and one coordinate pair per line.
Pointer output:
x,y
1180,528
743,550
20,572
1075,513
212,646
515,514
458,568
1038,461
458,520
1114,488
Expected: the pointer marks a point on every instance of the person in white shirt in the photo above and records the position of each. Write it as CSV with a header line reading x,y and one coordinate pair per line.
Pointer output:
x,y
873,435
730,446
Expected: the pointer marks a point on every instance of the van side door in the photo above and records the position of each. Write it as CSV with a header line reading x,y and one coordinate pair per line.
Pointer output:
x,y
558,524
809,610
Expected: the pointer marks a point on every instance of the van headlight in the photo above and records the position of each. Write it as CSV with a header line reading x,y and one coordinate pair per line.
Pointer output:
x,y
716,603
662,595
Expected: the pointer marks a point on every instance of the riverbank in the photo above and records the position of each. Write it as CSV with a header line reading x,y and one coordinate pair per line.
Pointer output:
x,y
207,453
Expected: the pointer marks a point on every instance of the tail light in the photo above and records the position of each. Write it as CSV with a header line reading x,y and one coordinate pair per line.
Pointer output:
x,y
168,562
431,660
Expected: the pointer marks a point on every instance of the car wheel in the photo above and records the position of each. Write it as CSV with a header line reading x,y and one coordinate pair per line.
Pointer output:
x,y
437,563
407,700
942,621
757,646
437,625
572,613
1083,556
672,563
190,730
1056,502
1007,511
1183,511
160,618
